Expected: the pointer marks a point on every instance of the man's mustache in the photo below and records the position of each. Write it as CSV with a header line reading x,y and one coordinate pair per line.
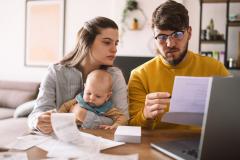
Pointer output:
x,y
172,50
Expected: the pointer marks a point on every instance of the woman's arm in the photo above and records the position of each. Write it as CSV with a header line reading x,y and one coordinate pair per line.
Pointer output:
x,y
119,91
45,100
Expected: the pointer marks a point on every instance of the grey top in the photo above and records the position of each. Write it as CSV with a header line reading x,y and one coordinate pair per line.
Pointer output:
x,y
63,83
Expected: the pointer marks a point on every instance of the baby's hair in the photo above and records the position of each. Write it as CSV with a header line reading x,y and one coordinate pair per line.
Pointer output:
x,y
101,76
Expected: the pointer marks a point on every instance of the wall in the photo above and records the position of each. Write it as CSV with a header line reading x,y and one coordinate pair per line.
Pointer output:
x,y
12,15
134,43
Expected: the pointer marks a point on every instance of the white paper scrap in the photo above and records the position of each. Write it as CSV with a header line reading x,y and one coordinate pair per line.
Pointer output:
x,y
67,150
13,156
102,156
26,142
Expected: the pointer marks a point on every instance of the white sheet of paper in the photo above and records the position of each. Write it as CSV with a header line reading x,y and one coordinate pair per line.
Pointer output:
x,y
106,143
190,94
47,145
75,143
28,141
67,150
13,156
66,130
118,157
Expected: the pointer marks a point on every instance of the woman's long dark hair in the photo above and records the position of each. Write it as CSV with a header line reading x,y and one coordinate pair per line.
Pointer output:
x,y
85,38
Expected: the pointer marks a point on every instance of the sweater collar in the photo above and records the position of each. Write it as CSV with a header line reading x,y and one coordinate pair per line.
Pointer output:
x,y
100,110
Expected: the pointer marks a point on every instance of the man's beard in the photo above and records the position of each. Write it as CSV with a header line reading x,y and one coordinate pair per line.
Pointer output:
x,y
175,62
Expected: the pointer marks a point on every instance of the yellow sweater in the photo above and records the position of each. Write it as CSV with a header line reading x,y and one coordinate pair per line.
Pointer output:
x,y
156,76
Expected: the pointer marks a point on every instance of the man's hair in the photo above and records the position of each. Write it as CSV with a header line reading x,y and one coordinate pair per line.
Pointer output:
x,y
170,16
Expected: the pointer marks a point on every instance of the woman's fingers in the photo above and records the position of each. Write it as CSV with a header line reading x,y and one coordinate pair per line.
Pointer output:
x,y
45,118
45,128
44,123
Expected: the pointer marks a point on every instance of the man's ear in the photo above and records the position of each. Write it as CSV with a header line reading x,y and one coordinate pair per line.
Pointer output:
x,y
189,30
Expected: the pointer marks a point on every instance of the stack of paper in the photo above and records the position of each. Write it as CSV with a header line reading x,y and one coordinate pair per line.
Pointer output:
x,y
130,134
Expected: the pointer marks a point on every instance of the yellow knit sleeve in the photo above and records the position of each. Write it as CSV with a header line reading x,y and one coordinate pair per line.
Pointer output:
x,y
136,96
65,107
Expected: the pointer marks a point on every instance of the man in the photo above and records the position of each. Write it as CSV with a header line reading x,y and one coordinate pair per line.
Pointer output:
x,y
150,85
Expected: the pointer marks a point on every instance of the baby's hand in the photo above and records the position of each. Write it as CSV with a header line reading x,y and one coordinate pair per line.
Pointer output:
x,y
107,127
80,113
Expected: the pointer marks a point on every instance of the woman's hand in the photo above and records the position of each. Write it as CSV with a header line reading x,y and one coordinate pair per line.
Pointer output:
x,y
44,123
155,104
80,113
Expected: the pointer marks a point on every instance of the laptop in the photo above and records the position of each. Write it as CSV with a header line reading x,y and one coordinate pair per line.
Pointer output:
x,y
220,136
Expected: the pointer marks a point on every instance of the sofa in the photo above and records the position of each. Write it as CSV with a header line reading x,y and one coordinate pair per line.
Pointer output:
x,y
128,63
16,102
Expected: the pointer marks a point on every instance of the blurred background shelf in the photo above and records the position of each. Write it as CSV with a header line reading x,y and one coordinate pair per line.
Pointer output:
x,y
227,37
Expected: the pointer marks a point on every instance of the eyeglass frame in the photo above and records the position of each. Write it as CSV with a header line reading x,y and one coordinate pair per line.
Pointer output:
x,y
170,35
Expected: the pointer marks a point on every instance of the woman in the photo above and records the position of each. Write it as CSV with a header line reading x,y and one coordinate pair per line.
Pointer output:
x,y
96,48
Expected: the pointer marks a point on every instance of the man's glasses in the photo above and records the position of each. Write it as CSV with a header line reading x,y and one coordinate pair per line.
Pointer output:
x,y
178,35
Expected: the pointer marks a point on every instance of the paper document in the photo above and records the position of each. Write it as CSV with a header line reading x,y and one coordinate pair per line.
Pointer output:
x,y
26,142
106,143
13,156
74,143
66,130
68,150
190,94
190,97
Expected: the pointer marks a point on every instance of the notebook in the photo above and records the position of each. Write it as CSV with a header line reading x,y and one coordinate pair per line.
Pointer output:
x,y
220,136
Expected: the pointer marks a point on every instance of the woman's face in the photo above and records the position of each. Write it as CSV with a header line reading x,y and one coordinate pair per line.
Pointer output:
x,y
104,48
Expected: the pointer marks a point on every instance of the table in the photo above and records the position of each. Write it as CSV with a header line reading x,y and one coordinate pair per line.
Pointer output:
x,y
143,149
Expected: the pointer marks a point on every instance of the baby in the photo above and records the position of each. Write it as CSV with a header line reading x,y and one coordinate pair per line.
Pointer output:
x,y
95,98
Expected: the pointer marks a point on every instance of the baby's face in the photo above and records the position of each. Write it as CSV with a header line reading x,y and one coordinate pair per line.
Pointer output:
x,y
95,95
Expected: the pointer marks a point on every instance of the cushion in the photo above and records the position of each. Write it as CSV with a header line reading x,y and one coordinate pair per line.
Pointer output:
x,y
15,93
24,109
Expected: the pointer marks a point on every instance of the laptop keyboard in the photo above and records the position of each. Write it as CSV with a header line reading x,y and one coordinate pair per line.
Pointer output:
x,y
183,148
191,152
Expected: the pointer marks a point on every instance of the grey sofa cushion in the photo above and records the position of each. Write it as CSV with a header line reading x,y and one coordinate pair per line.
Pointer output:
x,y
6,113
15,93
24,109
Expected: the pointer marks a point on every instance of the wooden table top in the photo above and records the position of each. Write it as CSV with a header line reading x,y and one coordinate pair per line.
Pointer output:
x,y
144,149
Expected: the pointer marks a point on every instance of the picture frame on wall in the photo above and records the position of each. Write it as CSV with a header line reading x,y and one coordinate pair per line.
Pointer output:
x,y
44,32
